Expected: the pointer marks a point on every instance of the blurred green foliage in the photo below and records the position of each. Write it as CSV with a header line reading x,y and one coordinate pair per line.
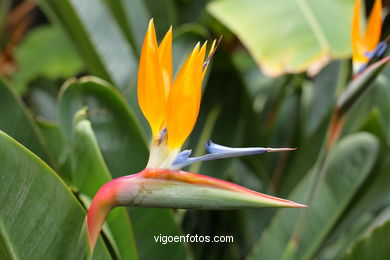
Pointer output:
x,y
51,53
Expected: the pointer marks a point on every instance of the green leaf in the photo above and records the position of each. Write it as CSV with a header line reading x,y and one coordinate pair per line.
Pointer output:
x,y
283,124
38,213
36,57
303,159
346,238
376,96
98,38
374,245
57,147
300,235
117,132
54,139
188,11
165,14
16,121
42,98
322,96
133,18
289,36
153,222
359,85
375,192
88,173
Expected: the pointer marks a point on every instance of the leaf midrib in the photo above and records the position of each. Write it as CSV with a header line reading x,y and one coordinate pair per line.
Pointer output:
x,y
5,243
314,25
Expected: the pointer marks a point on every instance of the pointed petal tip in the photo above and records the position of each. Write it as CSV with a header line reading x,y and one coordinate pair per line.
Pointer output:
x,y
151,28
91,242
282,203
90,236
169,32
297,205
151,23
102,203
274,150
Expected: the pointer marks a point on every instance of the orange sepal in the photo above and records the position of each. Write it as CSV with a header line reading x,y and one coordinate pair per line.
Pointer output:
x,y
151,92
184,100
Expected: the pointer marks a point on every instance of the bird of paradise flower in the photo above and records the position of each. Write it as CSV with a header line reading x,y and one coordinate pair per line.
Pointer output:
x,y
171,107
366,46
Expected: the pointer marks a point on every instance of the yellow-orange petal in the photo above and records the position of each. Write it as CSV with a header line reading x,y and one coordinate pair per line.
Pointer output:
x,y
200,73
206,63
212,50
184,100
165,54
151,92
374,26
356,37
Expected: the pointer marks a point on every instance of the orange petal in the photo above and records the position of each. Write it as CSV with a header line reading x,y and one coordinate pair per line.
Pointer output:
x,y
200,62
374,26
206,63
211,51
356,37
165,54
151,93
184,100
199,73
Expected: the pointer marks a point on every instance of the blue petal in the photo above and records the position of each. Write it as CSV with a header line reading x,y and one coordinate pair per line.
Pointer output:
x,y
378,51
213,148
216,151
182,156
381,48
